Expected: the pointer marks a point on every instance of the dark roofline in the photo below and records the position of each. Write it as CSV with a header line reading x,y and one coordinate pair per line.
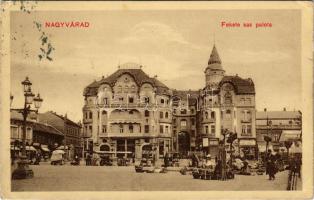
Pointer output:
x,y
63,118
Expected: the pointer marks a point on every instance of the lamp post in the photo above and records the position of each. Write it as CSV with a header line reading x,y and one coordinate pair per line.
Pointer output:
x,y
23,171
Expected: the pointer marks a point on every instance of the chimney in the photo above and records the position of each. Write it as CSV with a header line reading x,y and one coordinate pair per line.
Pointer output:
x,y
155,76
284,109
265,109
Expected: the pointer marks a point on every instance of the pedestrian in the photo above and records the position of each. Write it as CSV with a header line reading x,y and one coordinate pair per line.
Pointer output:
x,y
166,160
271,168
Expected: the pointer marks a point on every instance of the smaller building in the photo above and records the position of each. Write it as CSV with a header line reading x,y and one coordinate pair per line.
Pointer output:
x,y
70,130
45,138
280,126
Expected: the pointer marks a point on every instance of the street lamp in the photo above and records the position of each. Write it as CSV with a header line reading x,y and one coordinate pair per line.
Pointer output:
x,y
23,171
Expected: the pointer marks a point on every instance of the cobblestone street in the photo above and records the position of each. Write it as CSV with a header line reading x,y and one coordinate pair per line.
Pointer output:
x,y
100,178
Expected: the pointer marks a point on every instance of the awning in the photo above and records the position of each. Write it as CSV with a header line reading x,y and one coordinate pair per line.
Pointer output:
x,y
45,149
290,135
16,148
62,147
30,148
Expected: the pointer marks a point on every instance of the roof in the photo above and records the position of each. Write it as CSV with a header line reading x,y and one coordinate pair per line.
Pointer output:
x,y
242,86
138,74
214,62
183,94
214,57
48,116
15,115
278,114
40,127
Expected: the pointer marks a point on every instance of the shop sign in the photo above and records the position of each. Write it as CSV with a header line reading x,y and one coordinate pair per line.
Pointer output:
x,y
247,142
205,142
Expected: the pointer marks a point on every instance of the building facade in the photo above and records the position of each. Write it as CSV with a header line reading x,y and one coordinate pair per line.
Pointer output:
x,y
70,130
280,126
227,102
129,113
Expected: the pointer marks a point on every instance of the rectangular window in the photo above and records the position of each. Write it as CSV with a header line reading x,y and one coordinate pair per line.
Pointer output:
x,y
167,129
131,128
90,115
90,128
193,121
146,99
183,122
86,115
146,113
120,98
161,115
104,128
206,130
183,111
161,129
28,133
248,130
162,101
212,129
14,132
193,133
174,111
146,128
131,100
121,128
192,111
248,100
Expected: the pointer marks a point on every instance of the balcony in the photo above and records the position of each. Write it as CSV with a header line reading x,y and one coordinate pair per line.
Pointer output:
x,y
246,120
208,120
165,120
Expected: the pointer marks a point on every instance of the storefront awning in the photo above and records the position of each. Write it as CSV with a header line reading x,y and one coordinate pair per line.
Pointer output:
x,y
290,135
15,148
30,148
45,149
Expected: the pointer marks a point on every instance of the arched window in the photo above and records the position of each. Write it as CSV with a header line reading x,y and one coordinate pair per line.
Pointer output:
x,y
104,112
228,98
212,115
90,115
206,115
146,113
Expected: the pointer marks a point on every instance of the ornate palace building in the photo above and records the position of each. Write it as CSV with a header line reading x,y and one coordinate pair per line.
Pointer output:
x,y
130,114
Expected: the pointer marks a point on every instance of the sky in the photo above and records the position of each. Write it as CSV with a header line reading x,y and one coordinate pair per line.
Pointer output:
x,y
175,45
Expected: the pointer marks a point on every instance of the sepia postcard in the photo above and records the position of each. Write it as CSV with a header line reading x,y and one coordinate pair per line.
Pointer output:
x,y
156,100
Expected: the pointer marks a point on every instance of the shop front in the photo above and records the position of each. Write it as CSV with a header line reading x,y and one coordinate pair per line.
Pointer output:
x,y
248,148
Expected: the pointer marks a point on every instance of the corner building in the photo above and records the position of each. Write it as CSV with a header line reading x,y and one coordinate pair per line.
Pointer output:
x,y
129,113
227,102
